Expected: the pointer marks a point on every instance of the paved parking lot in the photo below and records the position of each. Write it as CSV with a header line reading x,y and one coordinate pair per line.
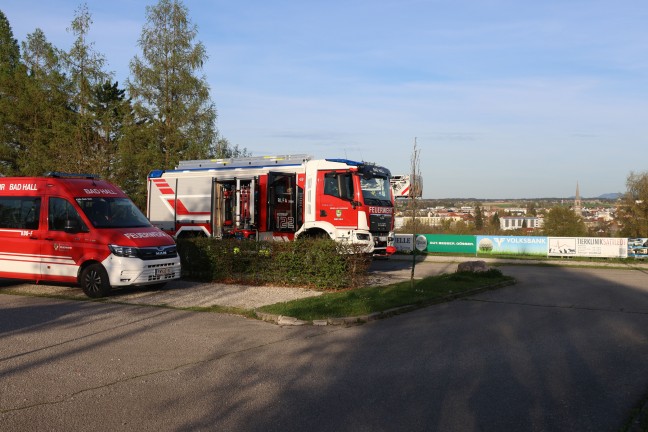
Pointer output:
x,y
562,350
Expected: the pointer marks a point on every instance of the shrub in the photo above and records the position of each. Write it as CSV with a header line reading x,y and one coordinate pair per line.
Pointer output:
x,y
315,263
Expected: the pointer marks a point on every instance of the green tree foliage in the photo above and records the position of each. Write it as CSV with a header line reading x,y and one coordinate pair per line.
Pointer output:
x,y
45,118
112,114
9,69
479,218
9,50
223,149
494,225
165,89
61,111
563,222
86,151
633,211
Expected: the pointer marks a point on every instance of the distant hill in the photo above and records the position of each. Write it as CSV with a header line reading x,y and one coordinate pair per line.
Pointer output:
x,y
610,196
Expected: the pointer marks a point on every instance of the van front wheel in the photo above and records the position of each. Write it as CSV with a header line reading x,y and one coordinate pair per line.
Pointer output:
x,y
94,281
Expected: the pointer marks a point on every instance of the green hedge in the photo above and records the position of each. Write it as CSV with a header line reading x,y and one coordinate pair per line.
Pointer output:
x,y
313,263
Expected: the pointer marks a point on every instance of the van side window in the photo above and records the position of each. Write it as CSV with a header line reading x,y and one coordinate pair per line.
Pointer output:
x,y
61,212
19,212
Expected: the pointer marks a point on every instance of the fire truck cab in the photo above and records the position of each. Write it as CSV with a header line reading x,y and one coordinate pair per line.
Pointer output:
x,y
278,197
75,228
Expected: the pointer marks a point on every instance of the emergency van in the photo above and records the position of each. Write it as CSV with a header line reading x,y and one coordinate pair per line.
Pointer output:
x,y
78,229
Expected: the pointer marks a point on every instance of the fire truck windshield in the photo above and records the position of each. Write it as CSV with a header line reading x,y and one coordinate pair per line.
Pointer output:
x,y
112,213
376,190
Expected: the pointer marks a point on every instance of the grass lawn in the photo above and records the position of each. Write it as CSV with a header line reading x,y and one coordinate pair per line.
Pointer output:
x,y
364,301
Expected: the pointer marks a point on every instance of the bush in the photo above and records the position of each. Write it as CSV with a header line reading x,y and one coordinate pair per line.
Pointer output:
x,y
314,263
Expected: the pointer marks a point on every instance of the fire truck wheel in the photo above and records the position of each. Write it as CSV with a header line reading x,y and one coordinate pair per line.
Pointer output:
x,y
94,281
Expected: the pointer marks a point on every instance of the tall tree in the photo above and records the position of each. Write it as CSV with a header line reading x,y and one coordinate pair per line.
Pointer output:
x,y
414,194
564,222
479,219
9,73
495,221
86,69
633,211
166,89
9,50
46,120
112,114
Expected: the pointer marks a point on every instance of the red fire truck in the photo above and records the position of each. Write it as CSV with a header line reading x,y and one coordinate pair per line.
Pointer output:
x,y
277,197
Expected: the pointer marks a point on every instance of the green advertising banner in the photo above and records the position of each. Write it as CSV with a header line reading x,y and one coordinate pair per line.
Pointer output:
x,y
512,245
466,244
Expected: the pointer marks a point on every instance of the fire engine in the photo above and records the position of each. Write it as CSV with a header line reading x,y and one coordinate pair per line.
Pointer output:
x,y
276,198
406,186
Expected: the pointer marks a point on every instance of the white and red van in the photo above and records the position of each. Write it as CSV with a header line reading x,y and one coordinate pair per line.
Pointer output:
x,y
75,228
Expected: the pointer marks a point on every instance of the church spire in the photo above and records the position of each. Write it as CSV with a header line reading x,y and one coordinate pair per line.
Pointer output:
x,y
577,201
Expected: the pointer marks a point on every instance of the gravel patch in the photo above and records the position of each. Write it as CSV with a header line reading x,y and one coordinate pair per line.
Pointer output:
x,y
183,294
179,293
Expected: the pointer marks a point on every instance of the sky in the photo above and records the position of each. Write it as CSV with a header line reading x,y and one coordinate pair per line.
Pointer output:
x,y
503,98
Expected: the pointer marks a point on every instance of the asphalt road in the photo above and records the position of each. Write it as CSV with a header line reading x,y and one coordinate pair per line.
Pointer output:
x,y
562,350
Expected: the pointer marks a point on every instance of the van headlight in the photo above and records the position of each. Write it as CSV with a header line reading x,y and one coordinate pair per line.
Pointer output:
x,y
124,251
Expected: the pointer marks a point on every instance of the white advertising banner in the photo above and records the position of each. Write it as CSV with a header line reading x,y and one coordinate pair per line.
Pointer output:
x,y
403,242
595,247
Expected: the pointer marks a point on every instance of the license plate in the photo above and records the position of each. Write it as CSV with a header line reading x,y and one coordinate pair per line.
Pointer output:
x,y
163,271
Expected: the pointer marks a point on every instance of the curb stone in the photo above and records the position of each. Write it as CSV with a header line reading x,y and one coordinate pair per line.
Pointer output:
x,y
286,320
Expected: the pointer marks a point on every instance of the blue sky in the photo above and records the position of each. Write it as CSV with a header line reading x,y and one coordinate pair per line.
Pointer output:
x,y
506,98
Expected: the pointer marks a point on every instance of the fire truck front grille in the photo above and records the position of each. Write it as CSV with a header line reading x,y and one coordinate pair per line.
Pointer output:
x,y
379,223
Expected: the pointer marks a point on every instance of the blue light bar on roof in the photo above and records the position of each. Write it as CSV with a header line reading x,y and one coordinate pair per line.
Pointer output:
x,y
346,161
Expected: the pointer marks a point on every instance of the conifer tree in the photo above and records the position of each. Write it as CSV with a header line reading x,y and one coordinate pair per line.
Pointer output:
x,y
46,122
479,218
9,70
85,152
166,90
111,113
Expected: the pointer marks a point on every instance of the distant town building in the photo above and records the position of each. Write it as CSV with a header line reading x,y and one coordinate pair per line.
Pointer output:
x,y
515,210
519,222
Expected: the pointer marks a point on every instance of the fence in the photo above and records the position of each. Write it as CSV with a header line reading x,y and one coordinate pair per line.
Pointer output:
x,y
484,245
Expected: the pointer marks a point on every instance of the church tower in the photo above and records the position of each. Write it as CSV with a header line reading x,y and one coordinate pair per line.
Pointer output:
x,y
577,201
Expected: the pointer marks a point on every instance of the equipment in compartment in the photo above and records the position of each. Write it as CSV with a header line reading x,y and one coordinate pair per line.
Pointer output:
x,y
235,215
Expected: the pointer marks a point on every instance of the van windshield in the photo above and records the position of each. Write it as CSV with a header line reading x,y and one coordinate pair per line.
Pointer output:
x,y
112,213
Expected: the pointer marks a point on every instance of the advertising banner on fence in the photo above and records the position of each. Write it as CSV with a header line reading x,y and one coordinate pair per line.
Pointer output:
x,y
594,247
403,242
465,244
511,245
638,247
